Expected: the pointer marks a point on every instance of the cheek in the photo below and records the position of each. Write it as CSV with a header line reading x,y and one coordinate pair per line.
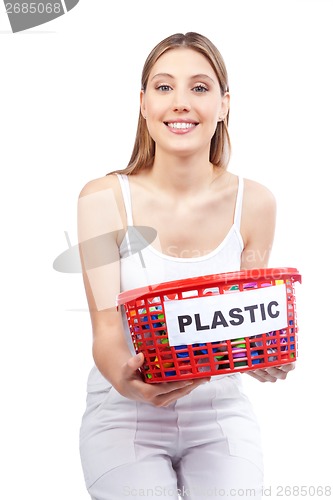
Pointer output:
x,y
153,121
155,107
151,130
212,111
156,113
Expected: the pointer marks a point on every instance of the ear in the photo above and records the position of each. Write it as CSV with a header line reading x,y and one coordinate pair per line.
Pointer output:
x,y
143,103
225,105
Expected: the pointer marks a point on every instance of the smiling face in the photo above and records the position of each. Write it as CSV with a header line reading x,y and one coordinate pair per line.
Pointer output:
x,y
182,103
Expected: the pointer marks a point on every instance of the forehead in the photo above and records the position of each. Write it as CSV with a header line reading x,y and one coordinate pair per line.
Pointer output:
x,y
182,62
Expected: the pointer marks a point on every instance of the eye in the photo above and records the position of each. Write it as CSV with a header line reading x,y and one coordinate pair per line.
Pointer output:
x,y
163,88
200,88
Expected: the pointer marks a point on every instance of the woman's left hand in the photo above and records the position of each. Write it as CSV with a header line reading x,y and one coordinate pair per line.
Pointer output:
x,y
272,374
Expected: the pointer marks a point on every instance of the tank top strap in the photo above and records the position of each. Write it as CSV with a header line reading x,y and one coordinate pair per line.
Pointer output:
x,y
239,203
126,192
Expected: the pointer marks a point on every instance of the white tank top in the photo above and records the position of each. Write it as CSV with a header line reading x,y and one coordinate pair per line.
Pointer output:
x,y
141,264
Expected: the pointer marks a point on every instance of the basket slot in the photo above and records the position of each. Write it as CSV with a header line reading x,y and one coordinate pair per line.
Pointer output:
x,y
211,291
189,293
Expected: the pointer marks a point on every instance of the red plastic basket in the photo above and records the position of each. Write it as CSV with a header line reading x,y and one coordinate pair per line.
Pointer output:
x,y
214,324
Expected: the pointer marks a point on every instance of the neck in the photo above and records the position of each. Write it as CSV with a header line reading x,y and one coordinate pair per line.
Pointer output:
x,y
182,175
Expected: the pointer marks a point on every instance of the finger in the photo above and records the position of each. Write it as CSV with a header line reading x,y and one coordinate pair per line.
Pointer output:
x,y
279,371
276,373
169,397
288,367
170,387
164,388
255,375
264,376
271,375
167,388
134,363
158,394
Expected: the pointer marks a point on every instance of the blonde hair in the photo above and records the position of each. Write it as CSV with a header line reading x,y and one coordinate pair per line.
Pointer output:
x,y
144,147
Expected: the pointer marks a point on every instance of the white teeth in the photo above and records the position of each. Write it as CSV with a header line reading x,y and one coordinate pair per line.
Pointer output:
x,y
181,125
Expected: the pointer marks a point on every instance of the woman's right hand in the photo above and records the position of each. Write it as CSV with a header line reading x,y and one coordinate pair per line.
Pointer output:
x,y
131,385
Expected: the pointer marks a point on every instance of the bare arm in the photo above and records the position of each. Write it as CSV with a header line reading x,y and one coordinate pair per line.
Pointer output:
x,y
101,223
258,227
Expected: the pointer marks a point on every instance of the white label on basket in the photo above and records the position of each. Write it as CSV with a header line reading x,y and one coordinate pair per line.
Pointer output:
x,y
227,316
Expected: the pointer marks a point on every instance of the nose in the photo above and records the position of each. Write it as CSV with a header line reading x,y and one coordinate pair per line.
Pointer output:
x,y
181,101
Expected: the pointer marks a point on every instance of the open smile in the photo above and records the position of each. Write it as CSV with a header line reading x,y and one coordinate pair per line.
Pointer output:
x,y
181,126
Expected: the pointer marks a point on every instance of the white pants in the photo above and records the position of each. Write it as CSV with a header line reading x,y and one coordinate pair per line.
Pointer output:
x,y
205,446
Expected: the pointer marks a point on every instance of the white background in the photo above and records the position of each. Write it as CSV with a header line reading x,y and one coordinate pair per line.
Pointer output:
x,y
69,107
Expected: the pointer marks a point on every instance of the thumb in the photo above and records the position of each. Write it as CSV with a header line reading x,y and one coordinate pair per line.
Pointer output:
x,y
135,362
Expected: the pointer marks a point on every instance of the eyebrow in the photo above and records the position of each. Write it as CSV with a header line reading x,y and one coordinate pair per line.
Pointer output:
x,y
194,77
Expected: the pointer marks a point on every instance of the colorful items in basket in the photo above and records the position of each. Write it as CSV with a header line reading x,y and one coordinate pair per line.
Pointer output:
x,y
238,348
279,339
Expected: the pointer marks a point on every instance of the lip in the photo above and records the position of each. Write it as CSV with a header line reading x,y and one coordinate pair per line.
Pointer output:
x,y
181,126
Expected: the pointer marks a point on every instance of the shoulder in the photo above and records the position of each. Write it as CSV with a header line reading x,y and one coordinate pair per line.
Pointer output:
x,y
258,197
100,203
258,212
107,182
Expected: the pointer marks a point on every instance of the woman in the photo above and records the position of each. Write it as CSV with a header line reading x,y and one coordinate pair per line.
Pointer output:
x,y
174,212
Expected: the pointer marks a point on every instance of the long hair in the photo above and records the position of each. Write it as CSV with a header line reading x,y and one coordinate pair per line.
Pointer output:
x,y
144,147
